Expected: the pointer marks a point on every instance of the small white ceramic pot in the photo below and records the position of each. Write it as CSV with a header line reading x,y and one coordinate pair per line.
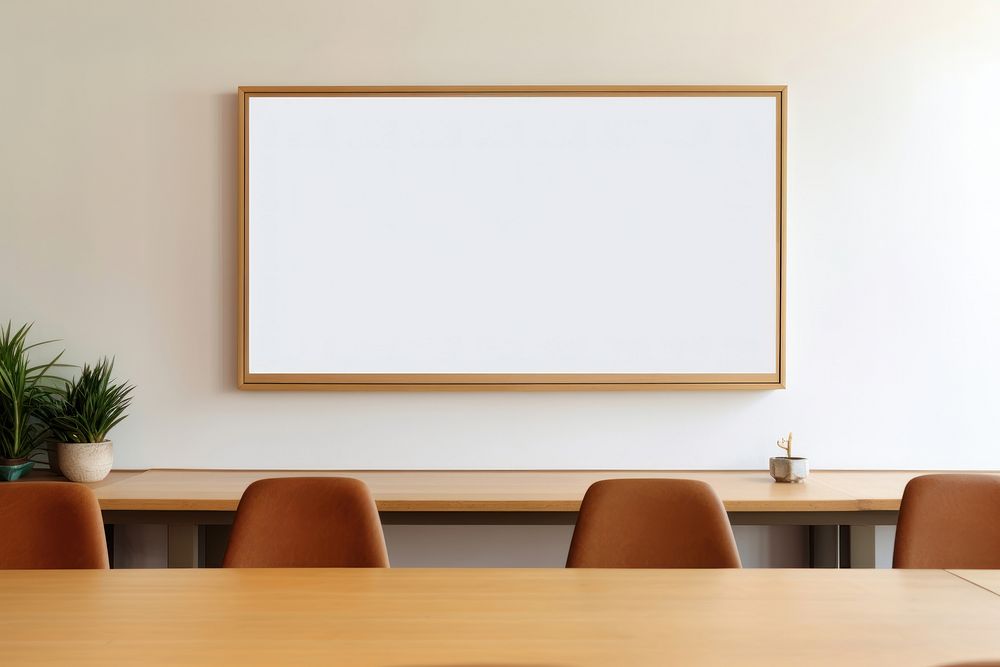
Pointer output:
x,y
85,461
789,470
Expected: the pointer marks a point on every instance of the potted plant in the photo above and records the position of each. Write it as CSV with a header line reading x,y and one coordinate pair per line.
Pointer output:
x,y
788,468
81,415
25,391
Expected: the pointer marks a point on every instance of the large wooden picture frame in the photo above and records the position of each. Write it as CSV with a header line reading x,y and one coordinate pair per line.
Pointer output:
x,y
246,379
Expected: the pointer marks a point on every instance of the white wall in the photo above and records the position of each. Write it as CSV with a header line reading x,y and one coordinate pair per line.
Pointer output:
x,y
118,194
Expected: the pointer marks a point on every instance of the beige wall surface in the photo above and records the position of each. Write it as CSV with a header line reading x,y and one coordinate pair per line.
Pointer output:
x,y
118,213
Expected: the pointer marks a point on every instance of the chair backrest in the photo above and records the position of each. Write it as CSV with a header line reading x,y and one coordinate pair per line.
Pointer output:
x,y
307,522
949,521
652,523
50,525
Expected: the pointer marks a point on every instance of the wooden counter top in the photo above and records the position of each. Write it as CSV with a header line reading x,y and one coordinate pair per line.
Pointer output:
x,y
988,579
496,617
504,490
471,491
873,489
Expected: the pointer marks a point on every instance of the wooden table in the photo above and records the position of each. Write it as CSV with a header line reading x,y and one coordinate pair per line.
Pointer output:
x,y
496,617
874,490
188,499
843,507
465,491
742,491
988,579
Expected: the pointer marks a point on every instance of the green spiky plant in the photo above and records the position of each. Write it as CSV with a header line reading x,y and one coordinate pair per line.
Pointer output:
x,y
90,405
25,392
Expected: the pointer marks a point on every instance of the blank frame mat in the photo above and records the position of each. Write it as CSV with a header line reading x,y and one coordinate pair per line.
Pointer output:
x,y
512,234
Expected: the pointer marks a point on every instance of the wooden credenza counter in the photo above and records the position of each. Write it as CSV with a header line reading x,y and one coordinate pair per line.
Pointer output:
x,y
874,490
464,491
507,491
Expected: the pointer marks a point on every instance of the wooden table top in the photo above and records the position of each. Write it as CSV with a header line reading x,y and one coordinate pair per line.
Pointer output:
x,y
505,490
874,489
477,491
496,617
988,579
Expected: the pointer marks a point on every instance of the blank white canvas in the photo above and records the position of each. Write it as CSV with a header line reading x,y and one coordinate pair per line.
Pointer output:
x,y
512,234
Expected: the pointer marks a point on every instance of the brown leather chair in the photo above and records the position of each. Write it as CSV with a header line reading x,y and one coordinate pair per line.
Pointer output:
x,y
306,522
51,525
949,521
654,523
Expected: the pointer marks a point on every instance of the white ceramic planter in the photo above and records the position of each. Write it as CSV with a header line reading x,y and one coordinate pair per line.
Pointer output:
x,y
789,470
85,461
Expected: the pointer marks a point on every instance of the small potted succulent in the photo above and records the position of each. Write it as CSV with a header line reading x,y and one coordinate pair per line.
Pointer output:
x,y
25,392
82,413
789,468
